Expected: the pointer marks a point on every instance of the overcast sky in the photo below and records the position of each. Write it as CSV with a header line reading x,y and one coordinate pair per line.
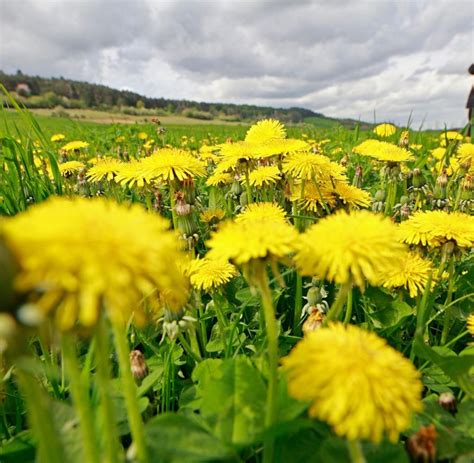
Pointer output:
x,y
340,57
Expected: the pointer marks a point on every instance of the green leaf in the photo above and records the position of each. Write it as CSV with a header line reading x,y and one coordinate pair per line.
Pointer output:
x,y
232,397
19,448
456,367
176,438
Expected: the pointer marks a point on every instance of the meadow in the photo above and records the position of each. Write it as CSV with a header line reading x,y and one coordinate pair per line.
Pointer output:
x,y
241,293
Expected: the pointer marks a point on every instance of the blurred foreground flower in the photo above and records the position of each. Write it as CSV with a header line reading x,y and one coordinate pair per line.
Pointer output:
x,y
357,383
80,256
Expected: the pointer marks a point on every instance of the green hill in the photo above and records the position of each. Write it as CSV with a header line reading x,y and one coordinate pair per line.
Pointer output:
x,y
39,92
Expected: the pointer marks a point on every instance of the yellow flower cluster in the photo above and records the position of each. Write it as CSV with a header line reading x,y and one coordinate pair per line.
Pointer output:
x,y
383,151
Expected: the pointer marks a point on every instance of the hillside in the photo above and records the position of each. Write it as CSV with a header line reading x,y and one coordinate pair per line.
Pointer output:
x,y
57,93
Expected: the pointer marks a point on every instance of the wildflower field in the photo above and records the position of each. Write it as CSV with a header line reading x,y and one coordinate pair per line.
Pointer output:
x,y
233,293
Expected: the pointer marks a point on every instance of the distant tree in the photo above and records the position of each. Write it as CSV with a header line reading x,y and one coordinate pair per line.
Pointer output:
x,y
140,104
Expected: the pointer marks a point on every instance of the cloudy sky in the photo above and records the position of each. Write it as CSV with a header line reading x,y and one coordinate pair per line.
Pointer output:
x,y
340,57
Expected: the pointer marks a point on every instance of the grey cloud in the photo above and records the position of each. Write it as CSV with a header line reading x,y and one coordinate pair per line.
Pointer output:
x,y
326,54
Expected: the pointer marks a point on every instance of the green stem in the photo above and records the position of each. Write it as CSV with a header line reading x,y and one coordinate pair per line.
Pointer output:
x,y
80,397
298,305
189,350
173,204
41,422
448,314
130,392
221,320
272,340
355,451
247,185
347,317
338,304
109,422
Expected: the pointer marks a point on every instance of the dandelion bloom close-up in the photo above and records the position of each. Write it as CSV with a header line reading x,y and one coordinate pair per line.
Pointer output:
x,y
92,259
354,381
343,247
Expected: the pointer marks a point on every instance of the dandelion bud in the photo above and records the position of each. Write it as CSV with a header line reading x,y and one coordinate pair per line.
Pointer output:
x,y
345,160
243,199
403,142
313,322
182,208
235,189
448,402
138,365
405,211
468,182
442,180
313,296
422,446
418,180
357,180
380,195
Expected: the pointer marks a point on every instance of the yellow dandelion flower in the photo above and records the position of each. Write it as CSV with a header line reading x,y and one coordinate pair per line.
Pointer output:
x,y
383,151
305,166
212,215
450,136
385,130
74,146
356,247
465,155
351,195
470,324
264,176
416,146
219,178
149,144
120,139
412,273
132,174
85,256
70,167
168,164
266,130
208,274
452,168
435,228
438,153
232,155
355,381
314,196
103,169
142,136
245,241
263,212
279,147
57,137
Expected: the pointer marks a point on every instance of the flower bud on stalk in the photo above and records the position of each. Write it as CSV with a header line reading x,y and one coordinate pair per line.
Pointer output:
x,y
448,402
422,446
138,366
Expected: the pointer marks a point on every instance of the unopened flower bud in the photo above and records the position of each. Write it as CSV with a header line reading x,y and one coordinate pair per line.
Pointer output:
x,y
243,199
235,189
418,179
422,446
468,182
442,180
313,296
404,137
448,402
313,322
380,195
138,365
345,160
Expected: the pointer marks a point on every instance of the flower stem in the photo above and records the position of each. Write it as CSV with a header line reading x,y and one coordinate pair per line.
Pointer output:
x,y
130,392
347,317
173,204
80,397
355,451
109,422
247,185
448,313
298,305
49,447
338,304
272,340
